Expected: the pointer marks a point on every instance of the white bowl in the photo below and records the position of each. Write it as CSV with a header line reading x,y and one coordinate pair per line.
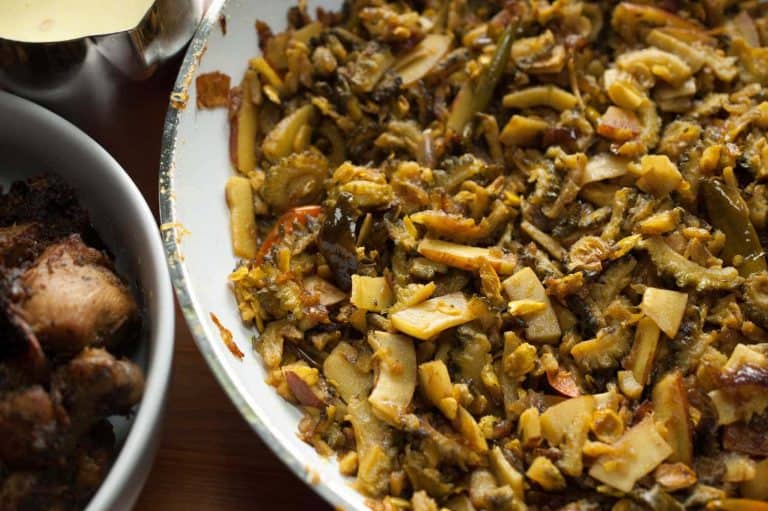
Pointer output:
x,y
34,140
195,167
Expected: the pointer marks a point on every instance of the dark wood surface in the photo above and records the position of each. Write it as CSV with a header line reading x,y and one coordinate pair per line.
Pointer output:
x,y
209,458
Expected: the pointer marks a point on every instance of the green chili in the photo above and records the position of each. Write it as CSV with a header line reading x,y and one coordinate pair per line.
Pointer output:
x,y
492,74
472,100
729,213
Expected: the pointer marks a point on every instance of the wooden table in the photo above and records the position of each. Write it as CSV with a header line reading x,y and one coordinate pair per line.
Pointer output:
x,y
209,458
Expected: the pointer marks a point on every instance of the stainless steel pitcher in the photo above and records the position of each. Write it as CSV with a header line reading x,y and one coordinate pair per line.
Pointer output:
x,y
39,70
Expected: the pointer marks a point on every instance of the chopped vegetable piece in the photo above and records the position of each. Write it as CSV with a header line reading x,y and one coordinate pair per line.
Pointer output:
x,y
412,294
550,244
688,273
272,341
521,361
491,75
371,293
373,438
664,307
607,425
604,351
242,218
640,360
435,382
336,241
469,429
466,257
563,382
729,213
244,126
460,228
525,307
418,62
540,327
429,318
545,474
529,426
659,176
342,371
284,226
655,62
660,223
743,379
461,110
670,405
604,166
296,180
541,95
261,66
523,131
283,139
567,425
675,476
302,381
327,294
630,19
505,473
307,32
624,90
396,379
618,125
628,385
638,452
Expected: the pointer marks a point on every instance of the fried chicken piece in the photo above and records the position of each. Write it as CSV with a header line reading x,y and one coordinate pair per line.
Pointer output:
x,y
59,298
28,427
71,299
95,385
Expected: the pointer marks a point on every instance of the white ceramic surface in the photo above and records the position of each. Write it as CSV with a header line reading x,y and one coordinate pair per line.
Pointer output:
x,y
194,170
34,140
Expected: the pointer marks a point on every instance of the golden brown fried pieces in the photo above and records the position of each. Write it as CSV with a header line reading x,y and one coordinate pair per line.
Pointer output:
x,y
212,90
29,427
72,299
95,385
57,296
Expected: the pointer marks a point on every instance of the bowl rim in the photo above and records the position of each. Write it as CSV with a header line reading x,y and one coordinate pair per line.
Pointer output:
x,y
179,276
160,357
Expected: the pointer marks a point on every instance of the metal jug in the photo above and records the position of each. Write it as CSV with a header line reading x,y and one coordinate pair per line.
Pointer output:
x,y
47,70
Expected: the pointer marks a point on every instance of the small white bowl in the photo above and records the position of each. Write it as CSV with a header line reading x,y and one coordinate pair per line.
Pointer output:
x,y
34,140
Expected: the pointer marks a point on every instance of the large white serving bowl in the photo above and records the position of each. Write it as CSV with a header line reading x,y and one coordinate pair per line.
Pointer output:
x,y
195,167
34,140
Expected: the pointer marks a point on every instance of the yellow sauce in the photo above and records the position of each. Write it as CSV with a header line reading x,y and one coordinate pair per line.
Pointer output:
x,y
61,20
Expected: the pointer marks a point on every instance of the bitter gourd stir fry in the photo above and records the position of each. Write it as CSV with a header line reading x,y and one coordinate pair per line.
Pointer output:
x,y
509,254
